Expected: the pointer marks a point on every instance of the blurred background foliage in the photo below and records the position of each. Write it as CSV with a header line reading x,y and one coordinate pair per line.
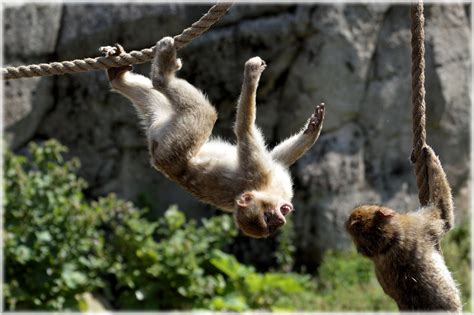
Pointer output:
x,y
61,249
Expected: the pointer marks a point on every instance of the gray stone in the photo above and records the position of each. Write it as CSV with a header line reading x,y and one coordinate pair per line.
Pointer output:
x,y
30,30
332,66
29,35
239,13
385,115
26,102
389,136
135,26
332,183
449,100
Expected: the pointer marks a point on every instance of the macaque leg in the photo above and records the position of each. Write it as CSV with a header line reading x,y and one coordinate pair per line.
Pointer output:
x,y
250,143
440,191
195,117
291,149
152,107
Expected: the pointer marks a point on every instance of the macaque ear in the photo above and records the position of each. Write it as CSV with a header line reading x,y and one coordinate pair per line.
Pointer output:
x,y
385,213
245,199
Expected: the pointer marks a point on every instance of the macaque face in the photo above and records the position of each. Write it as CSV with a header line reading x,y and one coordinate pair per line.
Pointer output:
x,y
260,214
367,226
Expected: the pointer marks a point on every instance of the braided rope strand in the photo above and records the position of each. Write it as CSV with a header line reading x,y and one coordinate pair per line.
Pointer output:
x,y
418,101
132,57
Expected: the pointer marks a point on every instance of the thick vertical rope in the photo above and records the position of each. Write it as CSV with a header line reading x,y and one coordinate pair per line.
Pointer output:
x,y
418,100
133,57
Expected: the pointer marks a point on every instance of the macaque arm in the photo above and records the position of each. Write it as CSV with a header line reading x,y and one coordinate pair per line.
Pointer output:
x,y
291,149
250,144
440,191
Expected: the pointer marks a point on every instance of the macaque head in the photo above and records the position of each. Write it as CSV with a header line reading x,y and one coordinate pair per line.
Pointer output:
x,y
259,214
372,229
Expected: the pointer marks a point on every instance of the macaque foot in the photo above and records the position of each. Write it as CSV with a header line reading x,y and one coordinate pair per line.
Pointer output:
x,y
316,120
430,157
165,45
167,55
111,51
113,73
254,68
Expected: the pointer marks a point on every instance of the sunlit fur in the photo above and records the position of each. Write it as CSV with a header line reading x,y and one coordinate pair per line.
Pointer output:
x,y
260,216
371,230
405,247
179,119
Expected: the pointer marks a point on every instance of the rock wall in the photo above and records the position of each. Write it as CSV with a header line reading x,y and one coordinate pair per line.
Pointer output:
x,y
354,57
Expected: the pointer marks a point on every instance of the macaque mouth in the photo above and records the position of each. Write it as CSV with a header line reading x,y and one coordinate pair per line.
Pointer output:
x,y
274,221
272,229
362,251
354,223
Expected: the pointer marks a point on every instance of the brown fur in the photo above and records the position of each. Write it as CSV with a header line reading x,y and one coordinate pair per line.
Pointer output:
x,y
179,120
405,247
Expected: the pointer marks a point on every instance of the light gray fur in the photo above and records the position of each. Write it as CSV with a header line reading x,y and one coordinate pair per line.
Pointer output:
x,y
179,120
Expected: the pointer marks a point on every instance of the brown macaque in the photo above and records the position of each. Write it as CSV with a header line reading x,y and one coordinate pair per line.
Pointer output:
x,y
405,247
247,179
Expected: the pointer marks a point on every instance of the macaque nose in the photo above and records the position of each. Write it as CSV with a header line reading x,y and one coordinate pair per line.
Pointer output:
x,y
278,219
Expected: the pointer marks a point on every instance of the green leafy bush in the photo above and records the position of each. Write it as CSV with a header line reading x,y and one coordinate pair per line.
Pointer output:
x,y
51,252
58,245
347,282
165,265
246,289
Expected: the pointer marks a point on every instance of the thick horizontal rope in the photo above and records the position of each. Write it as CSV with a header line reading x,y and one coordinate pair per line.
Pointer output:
x,y
418,101
132,57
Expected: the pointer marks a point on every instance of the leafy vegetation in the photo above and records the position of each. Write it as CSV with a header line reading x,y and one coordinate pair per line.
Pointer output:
x,y
58,245
246,289
347,282
51,252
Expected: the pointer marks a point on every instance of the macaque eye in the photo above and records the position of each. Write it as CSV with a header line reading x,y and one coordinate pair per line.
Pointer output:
x,y
247,197
285,209
266,217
